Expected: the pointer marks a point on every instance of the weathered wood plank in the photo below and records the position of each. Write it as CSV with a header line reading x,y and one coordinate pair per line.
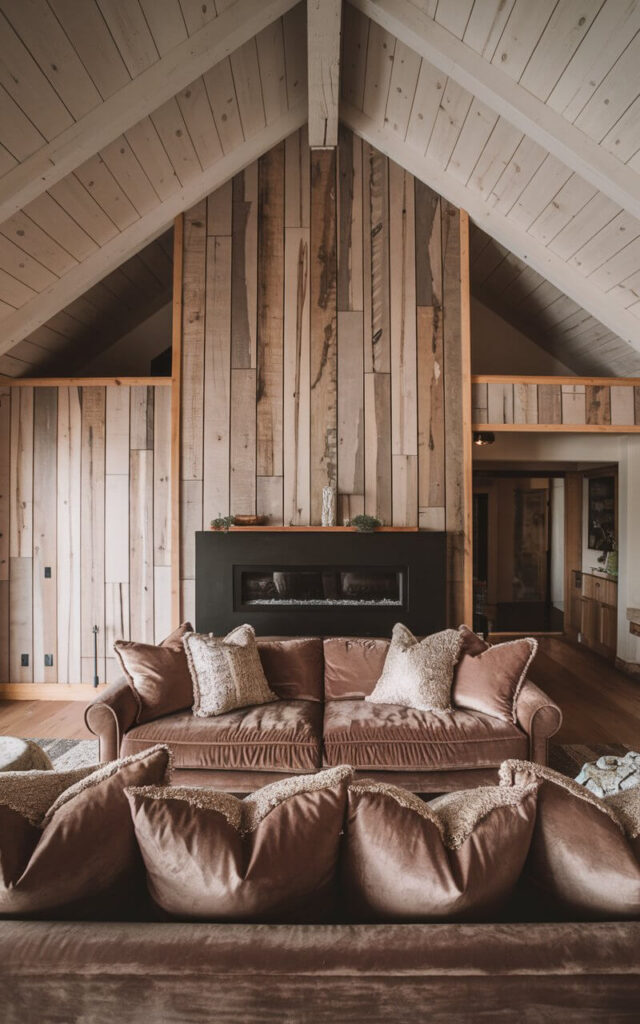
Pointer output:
x,y
141,429
214,496
296,189
45,630
69,533
500,403
269,498
431,467
622,405
162,602
162,479
296,378
219,210
405,490
377,435
141,545
350,404
573,404
480,403
323,359
598,401
20,620
525,403
452,349
92,528
549,403
636,402
194,296
270,312
404,408
378,353
4,628
192,520
21,475
350,243
428,246
244,268
118,403
116,541
5,483
243,442
116,624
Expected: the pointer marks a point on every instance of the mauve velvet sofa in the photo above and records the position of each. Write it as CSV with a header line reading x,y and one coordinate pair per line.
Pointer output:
x,y
321,720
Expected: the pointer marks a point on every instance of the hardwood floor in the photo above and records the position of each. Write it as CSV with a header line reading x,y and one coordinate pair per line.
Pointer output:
x,y
599,703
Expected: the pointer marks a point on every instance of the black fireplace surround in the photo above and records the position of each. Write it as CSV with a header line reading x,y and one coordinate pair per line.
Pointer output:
x,y
320,583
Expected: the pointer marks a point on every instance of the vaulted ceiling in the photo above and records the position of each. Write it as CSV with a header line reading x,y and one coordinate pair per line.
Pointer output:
x,y
116,115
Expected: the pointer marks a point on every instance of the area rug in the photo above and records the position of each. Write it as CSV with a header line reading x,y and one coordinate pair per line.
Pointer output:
x,y
67,754
568,758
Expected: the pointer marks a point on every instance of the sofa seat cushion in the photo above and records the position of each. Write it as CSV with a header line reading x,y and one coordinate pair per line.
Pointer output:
x,y
387,737
285,736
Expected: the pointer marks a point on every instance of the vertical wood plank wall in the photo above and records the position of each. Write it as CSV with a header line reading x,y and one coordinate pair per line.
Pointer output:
x,y
322,344
84,527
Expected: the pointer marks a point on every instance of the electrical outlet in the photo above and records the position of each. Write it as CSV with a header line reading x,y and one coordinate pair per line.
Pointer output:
x,y
48,661
24,660
47,572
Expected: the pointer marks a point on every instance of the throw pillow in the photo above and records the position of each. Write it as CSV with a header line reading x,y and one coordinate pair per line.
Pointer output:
x,y
293,667
270,857
67,845
458,857
418,673
584,853
490,680
226,673
159,675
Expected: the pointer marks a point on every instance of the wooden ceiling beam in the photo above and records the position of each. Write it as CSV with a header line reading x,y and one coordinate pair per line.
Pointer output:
x,y
564,276
119,249
323,69
164,79
507,98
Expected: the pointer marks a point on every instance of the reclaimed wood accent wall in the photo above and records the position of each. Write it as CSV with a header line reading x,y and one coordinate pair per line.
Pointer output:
x,y
84,527
569,404
321,346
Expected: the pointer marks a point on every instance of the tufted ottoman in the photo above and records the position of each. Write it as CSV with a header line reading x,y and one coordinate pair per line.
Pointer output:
x,y
18,755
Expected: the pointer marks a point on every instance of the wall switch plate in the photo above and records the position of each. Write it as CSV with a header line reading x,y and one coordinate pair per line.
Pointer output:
x,y
47,572
24,660
48,660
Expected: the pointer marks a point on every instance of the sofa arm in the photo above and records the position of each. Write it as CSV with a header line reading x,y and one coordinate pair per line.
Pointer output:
x,y
110,716
539,717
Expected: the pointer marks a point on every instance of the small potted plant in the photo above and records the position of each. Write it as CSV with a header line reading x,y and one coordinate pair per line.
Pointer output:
x,y
223,523
364,524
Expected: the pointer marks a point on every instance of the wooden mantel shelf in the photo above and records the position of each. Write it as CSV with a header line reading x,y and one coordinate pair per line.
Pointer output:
x,y
317,529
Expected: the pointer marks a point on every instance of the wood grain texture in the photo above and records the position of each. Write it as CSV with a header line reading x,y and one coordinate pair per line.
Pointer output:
x,y
402,248
323,347
598,402
193,327
217,381
45,598
5,480
244,268
549,403
141,545
68,491
377,439
428,230
296,413
525,403
350,404
431,399
270,312
21,475
92,528
378,350
350,240
573,403
243,442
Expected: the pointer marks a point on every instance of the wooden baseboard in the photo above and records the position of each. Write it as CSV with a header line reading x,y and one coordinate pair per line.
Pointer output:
x,y
50,691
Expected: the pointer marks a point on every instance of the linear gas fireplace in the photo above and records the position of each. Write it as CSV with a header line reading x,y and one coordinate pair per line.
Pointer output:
x,y
320,582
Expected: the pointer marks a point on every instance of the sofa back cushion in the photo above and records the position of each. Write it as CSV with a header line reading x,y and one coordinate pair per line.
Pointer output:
x,y
67,845
352,666
158,674
458,857
585,852
293,666
270,857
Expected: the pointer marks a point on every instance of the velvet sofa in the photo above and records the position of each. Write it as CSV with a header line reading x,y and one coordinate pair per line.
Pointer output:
x,y
322,719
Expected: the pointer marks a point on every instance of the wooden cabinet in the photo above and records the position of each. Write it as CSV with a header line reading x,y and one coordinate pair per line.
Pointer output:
x,y
599,614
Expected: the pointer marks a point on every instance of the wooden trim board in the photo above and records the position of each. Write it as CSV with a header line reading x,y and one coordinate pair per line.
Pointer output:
x,y
557,428
85,382
500,378
176,406
467,447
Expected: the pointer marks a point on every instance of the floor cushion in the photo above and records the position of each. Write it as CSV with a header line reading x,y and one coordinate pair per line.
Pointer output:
x,y
387,737
284,736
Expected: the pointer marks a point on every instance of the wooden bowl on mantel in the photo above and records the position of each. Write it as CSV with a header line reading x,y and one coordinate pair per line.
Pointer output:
x,y
249,520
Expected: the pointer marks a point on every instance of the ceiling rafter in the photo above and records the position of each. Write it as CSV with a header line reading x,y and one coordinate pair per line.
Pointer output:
x,y
323,69
113,254
163,80
528,249
507,98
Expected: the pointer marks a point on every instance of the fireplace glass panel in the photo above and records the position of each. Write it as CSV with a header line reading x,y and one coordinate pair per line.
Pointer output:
x,y
313,587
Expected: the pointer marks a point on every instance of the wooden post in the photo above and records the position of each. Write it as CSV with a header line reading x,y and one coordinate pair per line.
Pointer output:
x,y
176,385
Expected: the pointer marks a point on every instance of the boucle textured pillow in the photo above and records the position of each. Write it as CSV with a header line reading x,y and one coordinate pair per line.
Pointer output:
x,y
67,845
226,673
418,673
270,857
458,857
491,679
585,853
158,674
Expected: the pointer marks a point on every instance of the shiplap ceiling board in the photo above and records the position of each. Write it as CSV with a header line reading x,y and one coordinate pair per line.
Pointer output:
x,y
527,115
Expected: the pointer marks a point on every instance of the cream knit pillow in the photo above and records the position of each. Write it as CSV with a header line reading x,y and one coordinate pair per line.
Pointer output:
x,y
227,673
418,673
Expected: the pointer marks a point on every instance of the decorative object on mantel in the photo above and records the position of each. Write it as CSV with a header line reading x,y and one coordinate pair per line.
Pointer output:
x,y
610,774
364,523
249,520
328,506
223,523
